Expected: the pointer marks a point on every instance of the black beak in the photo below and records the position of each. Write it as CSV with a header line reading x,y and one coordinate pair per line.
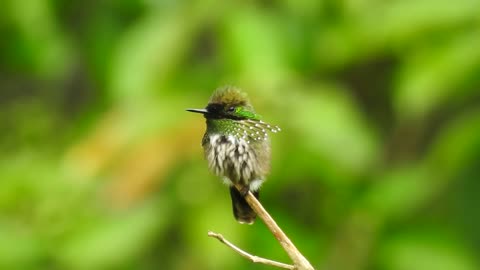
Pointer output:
x,y
204,111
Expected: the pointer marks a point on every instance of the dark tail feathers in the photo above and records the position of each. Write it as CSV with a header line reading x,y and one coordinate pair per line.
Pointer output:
x,y
242,212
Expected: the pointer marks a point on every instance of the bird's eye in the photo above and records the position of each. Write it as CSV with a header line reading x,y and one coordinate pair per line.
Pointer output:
x,y
231,109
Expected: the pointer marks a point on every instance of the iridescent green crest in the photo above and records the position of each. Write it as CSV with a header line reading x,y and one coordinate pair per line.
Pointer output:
x,y
231,112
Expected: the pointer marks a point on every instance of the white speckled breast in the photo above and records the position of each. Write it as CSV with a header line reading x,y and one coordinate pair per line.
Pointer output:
x,y
234,159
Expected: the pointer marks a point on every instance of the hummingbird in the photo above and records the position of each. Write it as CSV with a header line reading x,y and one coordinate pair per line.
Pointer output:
x,y
236,146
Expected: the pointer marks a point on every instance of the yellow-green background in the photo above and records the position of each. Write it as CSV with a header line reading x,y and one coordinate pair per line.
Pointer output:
x,y
377,165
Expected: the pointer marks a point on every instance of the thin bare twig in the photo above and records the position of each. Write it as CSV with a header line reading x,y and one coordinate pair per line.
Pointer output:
x,y
299,261
253,258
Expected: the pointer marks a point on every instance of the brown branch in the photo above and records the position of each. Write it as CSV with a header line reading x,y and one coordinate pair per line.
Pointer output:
x,y
299,261
253,258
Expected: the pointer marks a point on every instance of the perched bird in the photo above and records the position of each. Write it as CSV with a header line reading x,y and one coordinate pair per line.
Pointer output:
x,y
236,146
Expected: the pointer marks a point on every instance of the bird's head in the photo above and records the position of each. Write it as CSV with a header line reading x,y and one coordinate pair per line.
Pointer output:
x,y
230,111
228,103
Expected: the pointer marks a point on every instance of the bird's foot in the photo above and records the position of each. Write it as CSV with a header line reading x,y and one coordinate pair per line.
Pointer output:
x,y
244,191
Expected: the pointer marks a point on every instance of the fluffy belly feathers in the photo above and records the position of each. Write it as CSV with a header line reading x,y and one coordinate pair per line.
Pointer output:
x,y
234,159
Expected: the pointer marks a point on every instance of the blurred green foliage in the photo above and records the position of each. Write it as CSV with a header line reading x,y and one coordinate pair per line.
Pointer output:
x,y
377,166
